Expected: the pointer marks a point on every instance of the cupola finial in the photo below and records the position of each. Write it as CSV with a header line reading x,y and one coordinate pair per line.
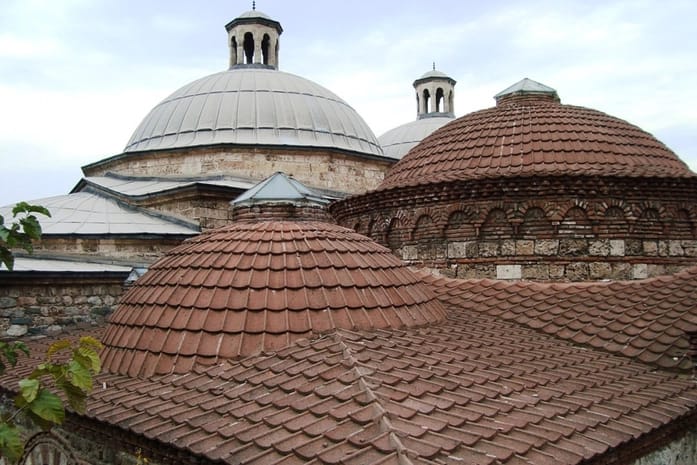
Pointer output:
x,y
434,66
254,5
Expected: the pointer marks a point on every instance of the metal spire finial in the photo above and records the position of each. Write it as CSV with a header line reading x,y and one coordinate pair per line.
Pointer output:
x,y
434,66
254,5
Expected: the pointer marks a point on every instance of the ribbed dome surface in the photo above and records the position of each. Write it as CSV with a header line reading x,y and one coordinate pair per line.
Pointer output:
x,y
398,141
258,286
535,135
254,106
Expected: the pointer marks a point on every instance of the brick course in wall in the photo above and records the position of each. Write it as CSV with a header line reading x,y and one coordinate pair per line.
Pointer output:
x,y
539,228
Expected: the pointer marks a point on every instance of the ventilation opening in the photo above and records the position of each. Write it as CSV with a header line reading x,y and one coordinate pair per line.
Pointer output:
x,y
439,100
427,100
249,48
265,49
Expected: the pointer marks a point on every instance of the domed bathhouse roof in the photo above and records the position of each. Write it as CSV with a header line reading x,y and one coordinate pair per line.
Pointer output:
x,y
435,93
257,286
253,106
529,132
535,189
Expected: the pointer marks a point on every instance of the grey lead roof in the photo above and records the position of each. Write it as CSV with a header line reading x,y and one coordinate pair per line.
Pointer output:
x,y
280,188
57,265
526,86
398,141
254,106
88,213
138,187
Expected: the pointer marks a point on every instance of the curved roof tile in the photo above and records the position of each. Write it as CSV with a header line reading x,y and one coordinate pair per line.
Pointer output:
x,y
530,135
259,286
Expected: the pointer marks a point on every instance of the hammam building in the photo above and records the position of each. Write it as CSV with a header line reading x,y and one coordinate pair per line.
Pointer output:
x,y
275,285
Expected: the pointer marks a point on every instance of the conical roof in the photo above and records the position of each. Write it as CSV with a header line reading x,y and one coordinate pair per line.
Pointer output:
x,y
258,286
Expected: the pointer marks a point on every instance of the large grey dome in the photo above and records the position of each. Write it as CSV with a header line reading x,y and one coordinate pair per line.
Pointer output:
x,y
398,141
254,106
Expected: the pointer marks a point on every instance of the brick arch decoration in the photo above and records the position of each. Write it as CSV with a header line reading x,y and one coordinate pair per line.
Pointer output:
x,y
45,448
535,222
423,228
576,222
496,224
394,235
462,223
680,221
650,219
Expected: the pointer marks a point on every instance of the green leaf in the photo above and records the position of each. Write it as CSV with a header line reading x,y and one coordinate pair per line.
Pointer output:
x,y
28,389
7,259
11,446
57,347
31,227
77,398
89,359
48,407
79,376
90,342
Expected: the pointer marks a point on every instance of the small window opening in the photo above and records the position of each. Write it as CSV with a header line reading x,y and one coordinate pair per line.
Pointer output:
x,y
427,100
265,49
439,99
249,48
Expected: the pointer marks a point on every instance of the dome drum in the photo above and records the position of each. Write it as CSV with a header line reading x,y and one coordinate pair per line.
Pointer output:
x,y
562,228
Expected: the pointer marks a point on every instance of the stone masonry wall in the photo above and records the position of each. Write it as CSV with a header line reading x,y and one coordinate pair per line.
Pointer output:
x,y
322,168
561,229
50,307
133,250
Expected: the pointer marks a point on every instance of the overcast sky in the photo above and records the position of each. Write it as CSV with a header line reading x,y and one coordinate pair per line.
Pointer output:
x,y
77,76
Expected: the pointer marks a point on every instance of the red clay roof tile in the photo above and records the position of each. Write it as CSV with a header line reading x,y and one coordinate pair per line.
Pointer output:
x,y
534,137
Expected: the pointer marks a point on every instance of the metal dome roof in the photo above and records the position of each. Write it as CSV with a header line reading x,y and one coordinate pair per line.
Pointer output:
x,y
254,106
398,141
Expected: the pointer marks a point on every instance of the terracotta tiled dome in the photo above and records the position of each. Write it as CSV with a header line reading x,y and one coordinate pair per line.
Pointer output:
x,y
532,133
258,286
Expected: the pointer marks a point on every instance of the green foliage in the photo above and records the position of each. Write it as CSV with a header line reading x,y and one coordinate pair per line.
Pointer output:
x,y
70,368
20,233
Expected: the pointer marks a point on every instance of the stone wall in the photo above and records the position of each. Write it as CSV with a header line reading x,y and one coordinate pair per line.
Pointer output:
x,y
140,250
682,451
53,305
560,229
317,167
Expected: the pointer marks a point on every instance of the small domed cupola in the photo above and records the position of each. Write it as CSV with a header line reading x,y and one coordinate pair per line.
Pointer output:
x,y
280,197
526,90
435,94
253,40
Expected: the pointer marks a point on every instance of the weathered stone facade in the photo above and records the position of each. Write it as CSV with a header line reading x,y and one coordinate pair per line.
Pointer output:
x,y
544,228
123,248
324,168
46,303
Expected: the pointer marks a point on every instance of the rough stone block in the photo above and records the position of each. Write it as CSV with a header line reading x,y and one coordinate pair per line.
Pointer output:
x,y
599,270
556,271
622,271
17,330
547,247
650,248
675,248
508,272
690,248
599,248
488,249
617,247
94,300
633,247
577,271
640,271
525,247
457,249
508,248
537,272
663,248
8,302
573,247
410,252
